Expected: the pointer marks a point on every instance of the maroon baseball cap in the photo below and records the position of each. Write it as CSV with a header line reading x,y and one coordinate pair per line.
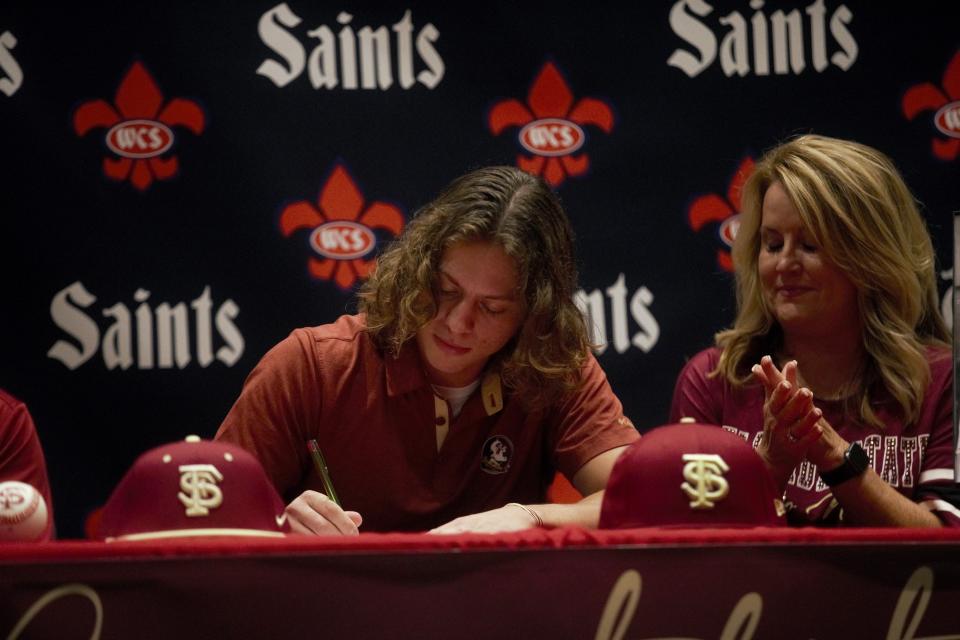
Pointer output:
x,y
193,488
690,475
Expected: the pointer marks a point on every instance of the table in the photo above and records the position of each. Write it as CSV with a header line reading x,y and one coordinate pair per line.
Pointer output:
x,y
562,583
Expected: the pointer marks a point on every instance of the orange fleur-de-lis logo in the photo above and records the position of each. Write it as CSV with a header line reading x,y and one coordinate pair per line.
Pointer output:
x,y
139,128
342,229
551,126
726,212
944,101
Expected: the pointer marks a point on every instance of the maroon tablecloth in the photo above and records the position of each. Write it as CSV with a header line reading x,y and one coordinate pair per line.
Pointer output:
x,y
565,583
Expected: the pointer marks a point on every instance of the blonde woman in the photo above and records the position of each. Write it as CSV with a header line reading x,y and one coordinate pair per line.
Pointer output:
x,y
465,382
838,367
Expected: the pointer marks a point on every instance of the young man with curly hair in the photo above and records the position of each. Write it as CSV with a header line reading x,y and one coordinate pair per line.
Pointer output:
x,y
465,382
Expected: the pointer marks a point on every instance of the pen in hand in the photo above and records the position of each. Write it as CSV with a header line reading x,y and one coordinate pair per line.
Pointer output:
x,y
321,466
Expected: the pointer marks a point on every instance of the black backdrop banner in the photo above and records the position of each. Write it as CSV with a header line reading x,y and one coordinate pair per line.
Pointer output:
x,y
185,183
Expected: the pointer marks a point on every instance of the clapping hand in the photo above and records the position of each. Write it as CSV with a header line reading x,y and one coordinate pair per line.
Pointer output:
x,y
790,419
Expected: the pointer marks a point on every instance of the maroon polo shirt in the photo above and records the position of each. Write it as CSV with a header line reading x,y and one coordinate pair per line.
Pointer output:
x,y
377,420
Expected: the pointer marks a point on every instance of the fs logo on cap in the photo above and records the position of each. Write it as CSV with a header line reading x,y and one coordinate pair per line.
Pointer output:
x,y
193,488
705,484
199,490
342,229
139,127
713,208
945,102
690,475
551,126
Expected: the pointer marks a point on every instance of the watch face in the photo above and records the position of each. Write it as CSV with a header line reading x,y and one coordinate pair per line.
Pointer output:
x,y
855,462
857,458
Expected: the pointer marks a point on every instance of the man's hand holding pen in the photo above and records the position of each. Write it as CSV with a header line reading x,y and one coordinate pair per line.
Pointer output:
x,y
315,513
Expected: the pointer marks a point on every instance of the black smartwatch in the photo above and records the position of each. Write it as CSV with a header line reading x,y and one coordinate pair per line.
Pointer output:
x,y
855,462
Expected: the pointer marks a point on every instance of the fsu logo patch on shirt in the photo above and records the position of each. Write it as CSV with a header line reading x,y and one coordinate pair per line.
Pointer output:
x,y
496,456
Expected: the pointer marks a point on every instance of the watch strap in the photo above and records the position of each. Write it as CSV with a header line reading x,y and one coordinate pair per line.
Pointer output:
x,y
855,462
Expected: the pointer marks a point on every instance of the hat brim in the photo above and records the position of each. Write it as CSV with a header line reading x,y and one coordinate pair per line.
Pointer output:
x,y
197,533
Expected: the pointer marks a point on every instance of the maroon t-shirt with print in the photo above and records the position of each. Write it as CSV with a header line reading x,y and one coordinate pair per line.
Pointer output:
x,y
917,459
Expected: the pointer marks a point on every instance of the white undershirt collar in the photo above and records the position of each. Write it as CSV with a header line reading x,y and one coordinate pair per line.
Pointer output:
x,y
456,396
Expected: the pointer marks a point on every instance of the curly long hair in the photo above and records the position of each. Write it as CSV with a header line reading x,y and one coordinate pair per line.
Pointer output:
x,y
520,213
855,205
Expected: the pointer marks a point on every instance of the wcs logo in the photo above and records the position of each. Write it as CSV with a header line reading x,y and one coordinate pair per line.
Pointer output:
x,y
139,127
945,102
342,229
551,137
139,139
551,126
947,120
342,240
713,208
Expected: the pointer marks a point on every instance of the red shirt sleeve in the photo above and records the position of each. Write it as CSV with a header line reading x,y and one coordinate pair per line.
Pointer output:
x,y
21,456
273,414
589,421
696,395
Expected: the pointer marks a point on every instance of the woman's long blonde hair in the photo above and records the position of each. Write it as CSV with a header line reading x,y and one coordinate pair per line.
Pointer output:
x,y
855,205
520,213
